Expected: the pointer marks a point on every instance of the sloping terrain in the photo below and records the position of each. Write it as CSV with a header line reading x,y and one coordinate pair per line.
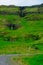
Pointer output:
x,y
21,35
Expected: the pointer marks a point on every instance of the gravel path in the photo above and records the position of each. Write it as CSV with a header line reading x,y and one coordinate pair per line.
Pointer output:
x,y
5,59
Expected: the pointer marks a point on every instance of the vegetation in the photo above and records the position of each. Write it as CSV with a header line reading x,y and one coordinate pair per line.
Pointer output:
x,y
21,35
28,60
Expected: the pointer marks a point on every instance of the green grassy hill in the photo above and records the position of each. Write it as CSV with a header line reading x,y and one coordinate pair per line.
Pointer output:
x,y
27,38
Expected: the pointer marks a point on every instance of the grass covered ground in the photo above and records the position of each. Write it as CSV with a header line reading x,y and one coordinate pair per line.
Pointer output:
x,y
27,38
28,60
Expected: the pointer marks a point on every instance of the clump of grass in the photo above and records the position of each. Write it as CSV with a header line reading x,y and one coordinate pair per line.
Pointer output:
x,y
32,36
38,46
